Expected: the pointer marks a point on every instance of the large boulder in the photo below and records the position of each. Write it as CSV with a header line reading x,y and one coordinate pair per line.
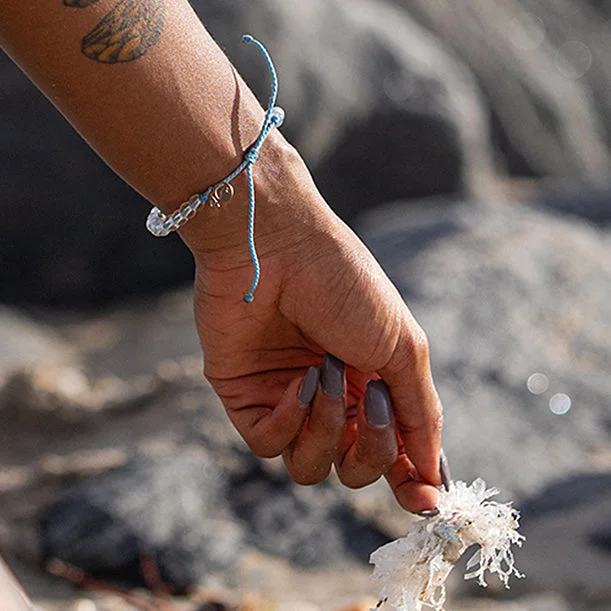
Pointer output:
x,y
504,292
567,550
545,72
194,515
377,106
171,510
71,229
591,204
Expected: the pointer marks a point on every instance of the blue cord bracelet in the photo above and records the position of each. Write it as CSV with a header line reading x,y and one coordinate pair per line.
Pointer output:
x,y
160,224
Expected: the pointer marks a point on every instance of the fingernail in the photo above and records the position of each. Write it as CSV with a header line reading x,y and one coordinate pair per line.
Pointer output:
x,y
444,469
308,387
378,408
332,375
427,513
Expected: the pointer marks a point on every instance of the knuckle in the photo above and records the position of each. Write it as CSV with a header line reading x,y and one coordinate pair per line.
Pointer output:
x,y
365,467
411,351
418,344
437,419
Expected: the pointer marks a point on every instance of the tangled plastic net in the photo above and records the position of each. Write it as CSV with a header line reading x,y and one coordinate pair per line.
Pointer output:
x,y
412,571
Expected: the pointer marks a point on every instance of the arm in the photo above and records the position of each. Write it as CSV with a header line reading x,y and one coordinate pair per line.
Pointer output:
x,y
170,114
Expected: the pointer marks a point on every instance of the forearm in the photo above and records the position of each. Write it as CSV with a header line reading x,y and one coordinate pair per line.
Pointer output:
x,y
171,122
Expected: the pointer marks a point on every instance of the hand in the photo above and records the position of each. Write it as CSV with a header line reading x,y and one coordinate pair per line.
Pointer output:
x,y
322,293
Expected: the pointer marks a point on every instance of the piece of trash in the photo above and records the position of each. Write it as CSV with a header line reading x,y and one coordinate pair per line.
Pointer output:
x,y
412,570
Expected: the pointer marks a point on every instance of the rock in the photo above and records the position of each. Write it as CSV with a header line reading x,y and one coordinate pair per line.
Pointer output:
x,y
375,104
505,292
593,205
544,71
310,526
76,231
61,398
561,553
169,510
601,537
193,517
26,343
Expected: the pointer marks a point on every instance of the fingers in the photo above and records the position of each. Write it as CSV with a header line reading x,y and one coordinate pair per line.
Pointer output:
x,y
411,491
310,456
268,431
369,447
417,407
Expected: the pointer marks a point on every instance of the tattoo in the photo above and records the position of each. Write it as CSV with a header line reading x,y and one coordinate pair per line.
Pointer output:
x,y
126,33
79,3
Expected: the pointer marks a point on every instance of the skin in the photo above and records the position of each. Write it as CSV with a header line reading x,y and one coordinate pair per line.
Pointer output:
x,y
152,93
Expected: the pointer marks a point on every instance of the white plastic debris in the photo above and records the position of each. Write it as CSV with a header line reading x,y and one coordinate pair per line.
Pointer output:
x,y
412,571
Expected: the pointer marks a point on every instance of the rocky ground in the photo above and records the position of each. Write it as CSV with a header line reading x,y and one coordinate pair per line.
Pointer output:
x,y
115,452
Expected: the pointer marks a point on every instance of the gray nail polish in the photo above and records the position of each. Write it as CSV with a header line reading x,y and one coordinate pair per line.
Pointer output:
x,y
308,386
444,469
332,375
378,408
427,513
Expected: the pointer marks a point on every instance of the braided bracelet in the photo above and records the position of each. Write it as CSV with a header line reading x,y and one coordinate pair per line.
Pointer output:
x,y
160,224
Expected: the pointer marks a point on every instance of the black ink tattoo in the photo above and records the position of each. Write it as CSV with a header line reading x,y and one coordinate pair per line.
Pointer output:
x,y
126,33
79,3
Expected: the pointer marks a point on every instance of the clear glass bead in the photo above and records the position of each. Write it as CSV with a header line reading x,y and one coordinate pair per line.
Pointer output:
x,y
277,116
155,223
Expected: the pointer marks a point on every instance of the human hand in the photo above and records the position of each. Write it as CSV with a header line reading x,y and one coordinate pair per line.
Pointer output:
x,y
322,293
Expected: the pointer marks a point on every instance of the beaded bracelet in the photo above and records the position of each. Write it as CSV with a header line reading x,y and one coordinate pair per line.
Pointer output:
x,y
160,224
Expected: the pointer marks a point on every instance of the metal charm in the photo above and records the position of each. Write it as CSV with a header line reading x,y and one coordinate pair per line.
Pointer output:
x,y
221,194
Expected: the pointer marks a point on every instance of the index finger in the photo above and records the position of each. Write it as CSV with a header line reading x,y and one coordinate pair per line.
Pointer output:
x,y
417,407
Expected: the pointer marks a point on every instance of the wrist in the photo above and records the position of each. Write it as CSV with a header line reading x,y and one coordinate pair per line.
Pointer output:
x,y
285,194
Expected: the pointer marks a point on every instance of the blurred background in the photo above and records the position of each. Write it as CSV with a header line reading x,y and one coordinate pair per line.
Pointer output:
x,y
468,142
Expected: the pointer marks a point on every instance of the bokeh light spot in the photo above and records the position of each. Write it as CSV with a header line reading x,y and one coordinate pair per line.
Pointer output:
x,y
560,404
537,383
527,33
573,59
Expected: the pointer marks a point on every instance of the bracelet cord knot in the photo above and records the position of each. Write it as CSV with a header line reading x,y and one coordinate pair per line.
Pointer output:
x,y
251,156
160,224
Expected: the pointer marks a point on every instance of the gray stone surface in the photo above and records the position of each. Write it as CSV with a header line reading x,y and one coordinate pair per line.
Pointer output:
x,y
170,509
71,229
194,517
309,526
505,291
376,105
545,73
593,205
27,343
562,524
